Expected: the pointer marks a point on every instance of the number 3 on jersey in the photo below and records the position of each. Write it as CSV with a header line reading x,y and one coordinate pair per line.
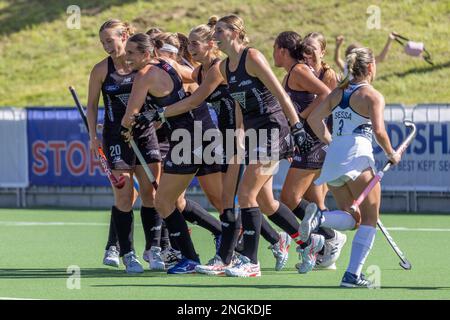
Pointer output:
x,y
341,126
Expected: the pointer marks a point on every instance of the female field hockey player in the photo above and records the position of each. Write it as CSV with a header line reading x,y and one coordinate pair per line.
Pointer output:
x,y
251,84
306,91
113,78
159,83
357,111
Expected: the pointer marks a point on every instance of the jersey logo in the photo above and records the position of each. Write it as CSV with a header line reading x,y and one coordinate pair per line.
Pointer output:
x,y
127,80
245,83
232,79
123,98
239,97
112,87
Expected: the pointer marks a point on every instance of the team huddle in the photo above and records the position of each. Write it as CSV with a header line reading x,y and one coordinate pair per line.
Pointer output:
x,y
159,89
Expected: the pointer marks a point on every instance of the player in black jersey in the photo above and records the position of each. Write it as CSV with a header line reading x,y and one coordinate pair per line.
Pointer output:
x,y
251,84
167,45
205,51
307,91
113,78
159,81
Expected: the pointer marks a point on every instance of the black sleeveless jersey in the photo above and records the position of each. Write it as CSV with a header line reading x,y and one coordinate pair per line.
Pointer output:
x,y
222,103
116,90
253,96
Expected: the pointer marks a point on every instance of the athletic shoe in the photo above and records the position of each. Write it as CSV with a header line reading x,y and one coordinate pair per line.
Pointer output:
x,y
154,259
311,222
217,241
171,256
332,251
244,268
280,250
132,264
184,266
351,280
111,257
214,267
309,253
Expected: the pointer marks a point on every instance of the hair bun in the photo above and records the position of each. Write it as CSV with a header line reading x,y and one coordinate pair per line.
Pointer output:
x,y
212,21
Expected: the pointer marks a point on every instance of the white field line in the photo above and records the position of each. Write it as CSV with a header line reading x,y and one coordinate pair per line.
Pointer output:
x,y
102,224
9,298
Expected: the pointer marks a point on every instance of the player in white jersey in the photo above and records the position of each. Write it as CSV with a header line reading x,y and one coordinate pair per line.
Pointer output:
x,y
357,111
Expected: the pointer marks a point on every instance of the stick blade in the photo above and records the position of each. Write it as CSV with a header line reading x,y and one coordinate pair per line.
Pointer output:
x,y
405,265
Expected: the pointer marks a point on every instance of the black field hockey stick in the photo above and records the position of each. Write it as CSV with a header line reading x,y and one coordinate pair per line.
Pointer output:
x,y
118,183
405,264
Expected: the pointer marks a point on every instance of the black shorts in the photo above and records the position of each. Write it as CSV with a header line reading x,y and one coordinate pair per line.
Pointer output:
x,y
264,148
193,163
313,160
121,156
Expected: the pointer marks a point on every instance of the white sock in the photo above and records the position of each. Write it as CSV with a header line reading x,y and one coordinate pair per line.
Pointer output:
x,y
361,245
338,220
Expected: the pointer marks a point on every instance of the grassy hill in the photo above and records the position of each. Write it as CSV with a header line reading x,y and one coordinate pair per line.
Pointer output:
x,y
41,57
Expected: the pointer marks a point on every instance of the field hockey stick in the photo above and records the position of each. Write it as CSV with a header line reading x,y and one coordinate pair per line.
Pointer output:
x,y
405,264
138,154
104,163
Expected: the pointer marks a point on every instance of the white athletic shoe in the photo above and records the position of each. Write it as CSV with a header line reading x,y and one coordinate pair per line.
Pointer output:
x,y
244,268
215,266
154,259
309,253
311,222
170,256
111,257
280,250
332,252
132,264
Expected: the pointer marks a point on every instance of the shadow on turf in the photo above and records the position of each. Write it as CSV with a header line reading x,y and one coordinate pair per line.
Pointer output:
x,y
47,273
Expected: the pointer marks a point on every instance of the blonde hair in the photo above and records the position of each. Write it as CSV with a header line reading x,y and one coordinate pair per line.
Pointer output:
x,y
356,65
206,33
328,73
121,27
235,23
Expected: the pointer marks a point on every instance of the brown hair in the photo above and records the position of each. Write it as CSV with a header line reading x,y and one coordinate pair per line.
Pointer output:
x,y
351,47
183,49
328,73
122,27
291,41
144,42
357,62
154,31
167,37
206,33
235,23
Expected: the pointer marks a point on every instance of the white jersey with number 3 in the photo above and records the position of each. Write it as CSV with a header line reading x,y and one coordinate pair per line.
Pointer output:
x,y
350,151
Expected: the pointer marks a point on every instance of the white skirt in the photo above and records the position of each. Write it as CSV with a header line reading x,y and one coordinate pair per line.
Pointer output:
x,y
347,156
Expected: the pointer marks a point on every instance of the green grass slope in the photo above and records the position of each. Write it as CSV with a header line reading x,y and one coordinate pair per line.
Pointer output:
x,y
40,56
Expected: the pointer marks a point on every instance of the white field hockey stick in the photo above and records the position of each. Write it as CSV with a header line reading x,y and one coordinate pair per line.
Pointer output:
x,y
138,154
405,264
118,183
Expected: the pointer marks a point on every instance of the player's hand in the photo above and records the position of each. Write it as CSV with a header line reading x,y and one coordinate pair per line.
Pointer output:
x,y
393,35
394,157
145,119
302,140
94,144
126,133
339,40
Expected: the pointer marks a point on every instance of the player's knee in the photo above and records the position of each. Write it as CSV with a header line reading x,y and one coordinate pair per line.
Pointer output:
x,y
246,198
290,199
161,206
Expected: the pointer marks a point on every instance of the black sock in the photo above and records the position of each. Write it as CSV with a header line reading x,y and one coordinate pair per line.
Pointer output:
x,y
299,211
112,235
179,231
151,222
326,232
231,226
123,222
165,242
251,223
268,232
194,213
284,218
